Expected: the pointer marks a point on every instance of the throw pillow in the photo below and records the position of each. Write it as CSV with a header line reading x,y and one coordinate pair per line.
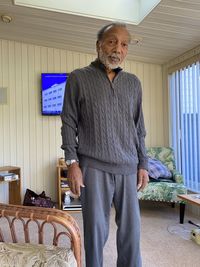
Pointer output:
x,y
157,169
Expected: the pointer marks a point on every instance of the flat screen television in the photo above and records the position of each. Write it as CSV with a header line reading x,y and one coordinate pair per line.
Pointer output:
x,y
52,92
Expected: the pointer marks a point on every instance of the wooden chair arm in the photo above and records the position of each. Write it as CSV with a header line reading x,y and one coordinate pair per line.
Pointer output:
x,y
42,216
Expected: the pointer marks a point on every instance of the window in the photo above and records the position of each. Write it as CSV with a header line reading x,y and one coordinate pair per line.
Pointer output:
x,y
185,122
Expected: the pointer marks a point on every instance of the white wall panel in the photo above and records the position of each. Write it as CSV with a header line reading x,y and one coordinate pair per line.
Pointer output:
x,y
150,76
32,141
1,109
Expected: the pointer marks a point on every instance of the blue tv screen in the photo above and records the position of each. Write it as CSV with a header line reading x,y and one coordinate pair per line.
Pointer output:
x,y
52,93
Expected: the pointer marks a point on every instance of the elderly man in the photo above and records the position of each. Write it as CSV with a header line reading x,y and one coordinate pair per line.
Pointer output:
x,y
103,138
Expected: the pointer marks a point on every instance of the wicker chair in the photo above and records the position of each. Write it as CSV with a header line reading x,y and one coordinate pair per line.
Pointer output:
x,y
165,191
25,234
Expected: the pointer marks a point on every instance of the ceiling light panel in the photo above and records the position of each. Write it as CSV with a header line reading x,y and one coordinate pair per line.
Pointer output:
x,y
128,11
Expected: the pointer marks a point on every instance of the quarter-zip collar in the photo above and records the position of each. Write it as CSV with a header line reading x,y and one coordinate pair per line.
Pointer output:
x,y
97,64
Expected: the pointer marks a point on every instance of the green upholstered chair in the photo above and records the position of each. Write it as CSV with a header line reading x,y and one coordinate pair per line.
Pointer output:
x,y
165,191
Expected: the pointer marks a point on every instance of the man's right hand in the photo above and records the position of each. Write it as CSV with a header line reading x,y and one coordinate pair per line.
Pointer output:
x,y
75,178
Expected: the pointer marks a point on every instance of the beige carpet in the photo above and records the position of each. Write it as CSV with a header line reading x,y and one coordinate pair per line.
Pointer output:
x,y
164,242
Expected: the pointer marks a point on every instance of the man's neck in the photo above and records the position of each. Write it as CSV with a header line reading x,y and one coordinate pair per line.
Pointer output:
x,y
111,74
108,70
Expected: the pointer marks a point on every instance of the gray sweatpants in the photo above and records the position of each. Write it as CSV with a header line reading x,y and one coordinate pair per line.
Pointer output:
x,y
100,191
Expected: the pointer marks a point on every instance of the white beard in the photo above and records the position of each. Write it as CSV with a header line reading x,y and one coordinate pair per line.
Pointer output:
x,y
104,59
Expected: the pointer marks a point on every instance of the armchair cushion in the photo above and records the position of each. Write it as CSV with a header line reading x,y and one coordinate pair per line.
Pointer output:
x,y
25,254
160,190
164,154
157,169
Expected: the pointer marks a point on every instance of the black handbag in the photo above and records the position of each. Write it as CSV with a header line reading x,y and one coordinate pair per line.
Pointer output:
x,y
41,200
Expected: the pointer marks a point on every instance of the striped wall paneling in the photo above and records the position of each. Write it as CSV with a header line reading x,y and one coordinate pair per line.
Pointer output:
x,y
32,141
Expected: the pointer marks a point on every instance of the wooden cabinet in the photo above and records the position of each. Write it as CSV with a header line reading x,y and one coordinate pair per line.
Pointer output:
x,y
63,186
14,186
62,183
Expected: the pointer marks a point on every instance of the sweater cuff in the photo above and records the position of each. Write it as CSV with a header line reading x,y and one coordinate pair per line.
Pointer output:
x,y
143,165
71,156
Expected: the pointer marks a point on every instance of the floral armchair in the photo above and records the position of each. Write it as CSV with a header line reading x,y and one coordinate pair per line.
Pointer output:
x,y
165,191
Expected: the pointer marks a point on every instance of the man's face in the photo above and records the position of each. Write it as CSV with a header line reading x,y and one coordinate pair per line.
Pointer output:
x,y
113,48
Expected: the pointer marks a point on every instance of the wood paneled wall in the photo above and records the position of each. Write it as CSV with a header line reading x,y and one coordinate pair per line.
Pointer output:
x,y
32,141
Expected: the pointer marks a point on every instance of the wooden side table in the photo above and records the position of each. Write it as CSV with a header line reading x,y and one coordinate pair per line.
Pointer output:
x,y
191,198
14,193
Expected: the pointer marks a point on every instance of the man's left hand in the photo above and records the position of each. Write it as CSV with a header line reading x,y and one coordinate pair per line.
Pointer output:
x,y
142,179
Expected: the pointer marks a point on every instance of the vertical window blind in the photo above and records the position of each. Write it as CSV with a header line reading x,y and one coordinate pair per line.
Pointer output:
x,y
184,87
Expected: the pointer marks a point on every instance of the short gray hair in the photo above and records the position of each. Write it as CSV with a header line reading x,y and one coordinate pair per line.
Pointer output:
x,y
102,31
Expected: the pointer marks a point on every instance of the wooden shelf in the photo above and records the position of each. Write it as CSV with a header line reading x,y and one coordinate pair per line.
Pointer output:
x,y
14,185
62,190
64,179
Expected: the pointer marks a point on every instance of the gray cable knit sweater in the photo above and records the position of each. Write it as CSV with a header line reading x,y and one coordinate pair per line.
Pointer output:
x,y
102,121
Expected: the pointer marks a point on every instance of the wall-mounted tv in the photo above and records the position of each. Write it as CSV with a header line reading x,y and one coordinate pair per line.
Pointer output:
x,y
52,92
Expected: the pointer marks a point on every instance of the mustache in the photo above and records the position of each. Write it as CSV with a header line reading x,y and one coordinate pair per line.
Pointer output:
x,y
115,56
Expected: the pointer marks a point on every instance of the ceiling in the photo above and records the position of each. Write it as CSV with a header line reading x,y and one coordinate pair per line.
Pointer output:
x,y
171,29
129,11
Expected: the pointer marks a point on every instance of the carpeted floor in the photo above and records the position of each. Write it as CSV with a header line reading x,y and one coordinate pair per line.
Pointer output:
x,y
164,242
